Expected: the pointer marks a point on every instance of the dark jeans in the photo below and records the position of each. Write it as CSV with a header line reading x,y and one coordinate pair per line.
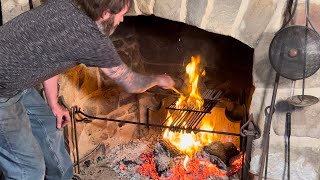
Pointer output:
x,y
31,147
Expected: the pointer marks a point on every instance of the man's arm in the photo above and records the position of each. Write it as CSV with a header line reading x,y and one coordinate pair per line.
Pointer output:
x,y
51,91
134,82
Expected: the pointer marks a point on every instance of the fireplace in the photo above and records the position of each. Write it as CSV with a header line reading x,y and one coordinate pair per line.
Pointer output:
x,y
154,45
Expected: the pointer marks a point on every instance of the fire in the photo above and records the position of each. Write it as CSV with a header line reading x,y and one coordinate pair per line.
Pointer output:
x,y
236,165
196,169
190,143
194,98
192,169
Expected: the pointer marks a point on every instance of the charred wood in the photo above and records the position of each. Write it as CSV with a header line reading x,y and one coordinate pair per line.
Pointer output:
x,y
225,151
231,151
164,154
213,159
216,149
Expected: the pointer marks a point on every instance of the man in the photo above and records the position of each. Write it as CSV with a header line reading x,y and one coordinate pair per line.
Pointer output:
x,y
37,46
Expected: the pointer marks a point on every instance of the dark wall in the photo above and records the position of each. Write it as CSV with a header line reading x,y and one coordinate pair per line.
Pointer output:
x,y
167,46
1,20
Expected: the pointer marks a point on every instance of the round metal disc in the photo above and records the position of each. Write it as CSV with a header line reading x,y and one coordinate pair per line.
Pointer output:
x,y
302,100
295,52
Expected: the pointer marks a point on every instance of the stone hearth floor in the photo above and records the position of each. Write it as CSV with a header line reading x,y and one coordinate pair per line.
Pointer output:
x,y
103,173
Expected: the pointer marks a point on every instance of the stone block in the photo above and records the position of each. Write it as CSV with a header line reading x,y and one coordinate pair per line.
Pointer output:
x,y
168,9
104,101
126,133
223,15
145,6
255,21
111,129
126,98
314,14
195,11
36,3
304,163
304,120
13,8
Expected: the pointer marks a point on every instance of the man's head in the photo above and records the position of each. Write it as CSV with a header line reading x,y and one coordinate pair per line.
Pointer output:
x,y
106,13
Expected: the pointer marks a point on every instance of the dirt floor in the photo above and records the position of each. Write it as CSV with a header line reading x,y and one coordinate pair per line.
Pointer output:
x,y
102,173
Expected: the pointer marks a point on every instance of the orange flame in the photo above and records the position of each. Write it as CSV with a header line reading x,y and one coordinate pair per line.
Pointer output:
x,y
194,99
190,143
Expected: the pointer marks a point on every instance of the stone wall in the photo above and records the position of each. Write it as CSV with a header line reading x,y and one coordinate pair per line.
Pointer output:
x,y
305,134
12,8
245,20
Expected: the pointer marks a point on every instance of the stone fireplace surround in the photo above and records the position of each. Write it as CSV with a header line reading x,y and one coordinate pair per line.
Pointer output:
x,y
253,22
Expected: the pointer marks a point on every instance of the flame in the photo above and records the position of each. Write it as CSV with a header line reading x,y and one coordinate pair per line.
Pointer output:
x,y
187,143
193,71
190,143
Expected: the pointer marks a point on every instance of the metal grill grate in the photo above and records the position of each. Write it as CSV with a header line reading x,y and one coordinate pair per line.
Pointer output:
x,y
190,117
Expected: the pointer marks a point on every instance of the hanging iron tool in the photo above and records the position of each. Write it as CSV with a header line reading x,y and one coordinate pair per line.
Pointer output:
x,y
294,53
288,134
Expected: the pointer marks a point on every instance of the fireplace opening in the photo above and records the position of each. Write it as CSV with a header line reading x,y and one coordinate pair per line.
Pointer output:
x,y
131,139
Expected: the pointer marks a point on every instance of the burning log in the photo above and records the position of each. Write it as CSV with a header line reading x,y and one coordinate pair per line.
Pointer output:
x,y
164,154
231,151
167,162
216,149
225,151
213,159
169,149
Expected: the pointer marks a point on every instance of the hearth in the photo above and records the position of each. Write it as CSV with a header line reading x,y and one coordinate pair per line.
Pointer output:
x,y
159,159
146,126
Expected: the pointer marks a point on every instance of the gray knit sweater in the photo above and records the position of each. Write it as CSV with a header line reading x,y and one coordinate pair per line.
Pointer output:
x,y
47,41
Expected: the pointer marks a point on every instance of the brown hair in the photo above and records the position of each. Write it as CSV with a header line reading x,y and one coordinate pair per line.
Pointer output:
x,y
95,8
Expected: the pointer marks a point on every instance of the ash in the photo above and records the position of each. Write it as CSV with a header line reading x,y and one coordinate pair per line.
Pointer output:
x,y
124,159
120,162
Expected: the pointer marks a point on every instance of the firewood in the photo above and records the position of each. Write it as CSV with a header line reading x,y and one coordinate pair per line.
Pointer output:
x,y
216,149
169,148
231,151
164,154
213,159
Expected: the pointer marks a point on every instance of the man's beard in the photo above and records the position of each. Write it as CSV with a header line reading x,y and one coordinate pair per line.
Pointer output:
x,y
107,27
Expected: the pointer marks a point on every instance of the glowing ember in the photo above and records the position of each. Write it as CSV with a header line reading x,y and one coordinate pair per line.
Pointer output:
x,y
195,169
236,165
148,168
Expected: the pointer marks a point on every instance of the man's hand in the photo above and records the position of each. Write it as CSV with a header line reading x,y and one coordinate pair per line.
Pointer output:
x,y
62,115
51,91
134,82
164,81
